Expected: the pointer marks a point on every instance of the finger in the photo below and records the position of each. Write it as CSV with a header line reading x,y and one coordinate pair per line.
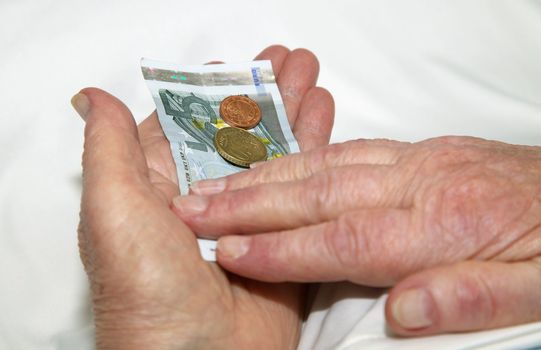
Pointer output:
x,y
298,74
112,153
156,148
277,54
321,197
302,165
163,173
316,117
316,110
465,297
362,246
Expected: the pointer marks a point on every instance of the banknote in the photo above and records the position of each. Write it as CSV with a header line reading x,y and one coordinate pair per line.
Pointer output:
x,y
188,103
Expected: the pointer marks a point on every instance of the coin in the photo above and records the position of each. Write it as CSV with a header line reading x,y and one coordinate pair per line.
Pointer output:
x,y
239,146
240,111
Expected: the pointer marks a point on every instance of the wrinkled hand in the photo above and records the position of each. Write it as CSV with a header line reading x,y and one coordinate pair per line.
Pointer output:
x,y
453,222
150,287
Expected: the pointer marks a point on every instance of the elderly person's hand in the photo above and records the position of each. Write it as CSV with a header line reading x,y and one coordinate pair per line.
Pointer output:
x,y
453,223
150,287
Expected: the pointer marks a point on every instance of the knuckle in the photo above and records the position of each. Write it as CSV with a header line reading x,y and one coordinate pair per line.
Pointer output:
x,y
277,170
230,203
300,166
441,140
376,151
344,243
93,137
386,142
449,155
473,301
84,245
246,179
463,208
452,140
291,167
452,212
330,155
318,195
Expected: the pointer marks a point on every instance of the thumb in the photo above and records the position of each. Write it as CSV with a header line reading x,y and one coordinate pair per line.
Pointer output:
x,y
113,169
464,297
112,150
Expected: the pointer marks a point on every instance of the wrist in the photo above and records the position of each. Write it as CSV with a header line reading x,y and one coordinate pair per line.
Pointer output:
x,y
144,336
142,339
138,332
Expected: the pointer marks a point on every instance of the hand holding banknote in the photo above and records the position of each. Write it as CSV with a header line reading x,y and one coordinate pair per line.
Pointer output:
x,y
453,223
150,287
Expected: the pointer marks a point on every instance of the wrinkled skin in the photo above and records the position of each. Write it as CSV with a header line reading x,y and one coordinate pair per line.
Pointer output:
x,y
453,223
150,287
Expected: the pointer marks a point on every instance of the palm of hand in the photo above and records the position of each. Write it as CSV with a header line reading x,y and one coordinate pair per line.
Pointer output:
x,y
144,266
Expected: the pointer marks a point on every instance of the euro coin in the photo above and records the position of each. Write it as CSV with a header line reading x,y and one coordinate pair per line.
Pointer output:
x,y
239,146
240,112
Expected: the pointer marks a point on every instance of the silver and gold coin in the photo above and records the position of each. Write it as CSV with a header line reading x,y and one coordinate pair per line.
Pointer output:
x,y
239,147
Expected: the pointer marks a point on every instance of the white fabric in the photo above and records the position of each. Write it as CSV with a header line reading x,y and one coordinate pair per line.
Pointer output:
x,y
398,69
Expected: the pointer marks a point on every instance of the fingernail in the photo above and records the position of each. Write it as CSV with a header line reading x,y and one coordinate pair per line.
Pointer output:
x,y
190,205
413,308
207,187
81,104
233,247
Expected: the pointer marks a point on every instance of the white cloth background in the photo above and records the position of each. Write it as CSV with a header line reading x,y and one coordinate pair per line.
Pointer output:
x,y
398,69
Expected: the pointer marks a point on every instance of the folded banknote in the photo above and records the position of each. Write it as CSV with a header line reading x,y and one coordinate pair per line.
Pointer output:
x,y
188,105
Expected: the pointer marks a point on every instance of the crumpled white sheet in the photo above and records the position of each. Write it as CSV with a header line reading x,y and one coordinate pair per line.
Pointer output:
x,y
398,69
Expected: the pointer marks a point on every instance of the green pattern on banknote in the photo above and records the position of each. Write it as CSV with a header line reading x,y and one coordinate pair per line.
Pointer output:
x,y
197,116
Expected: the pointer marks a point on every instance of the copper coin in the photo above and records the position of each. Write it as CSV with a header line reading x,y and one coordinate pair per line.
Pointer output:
x,y
240,111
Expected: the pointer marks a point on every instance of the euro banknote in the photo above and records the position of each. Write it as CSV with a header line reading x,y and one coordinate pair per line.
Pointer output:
x,y
188,102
